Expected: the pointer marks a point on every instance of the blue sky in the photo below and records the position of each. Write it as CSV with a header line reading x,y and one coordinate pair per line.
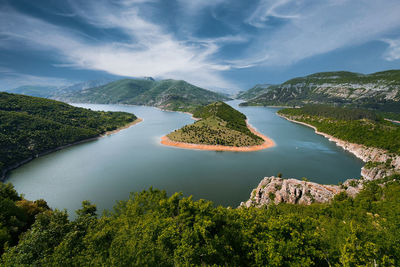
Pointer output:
x,y
226,45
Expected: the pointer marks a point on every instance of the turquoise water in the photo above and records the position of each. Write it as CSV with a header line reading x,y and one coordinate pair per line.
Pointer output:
x,y
108,169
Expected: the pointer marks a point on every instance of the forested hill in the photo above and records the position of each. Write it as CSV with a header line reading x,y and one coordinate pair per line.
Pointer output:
x,y
152,229
166,94
379,90
30,126
219,124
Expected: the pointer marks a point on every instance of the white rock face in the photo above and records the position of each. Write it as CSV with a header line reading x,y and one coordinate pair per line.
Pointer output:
x,y
278,190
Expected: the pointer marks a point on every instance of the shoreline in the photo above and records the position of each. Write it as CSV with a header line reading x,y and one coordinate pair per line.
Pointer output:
x,y
138,120
4,173
267,144
331,138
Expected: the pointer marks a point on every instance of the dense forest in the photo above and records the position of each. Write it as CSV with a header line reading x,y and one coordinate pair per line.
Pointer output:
x,y
152,229
30,126
354,125
219,124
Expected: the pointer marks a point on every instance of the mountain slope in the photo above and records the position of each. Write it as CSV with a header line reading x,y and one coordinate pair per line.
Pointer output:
x,y
255,91
166,94
379,90
30,126
34,90
54,91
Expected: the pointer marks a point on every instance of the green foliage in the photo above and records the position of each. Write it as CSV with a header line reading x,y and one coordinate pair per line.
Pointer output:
x,y
352,125
166,94
220,124
30,126
152,229
16,214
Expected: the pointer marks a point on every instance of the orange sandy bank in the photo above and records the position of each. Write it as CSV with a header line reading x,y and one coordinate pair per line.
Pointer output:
x,y
123,127
267,144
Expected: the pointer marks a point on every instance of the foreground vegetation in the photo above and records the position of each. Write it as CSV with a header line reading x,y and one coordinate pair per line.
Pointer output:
x,y
353,125
219,124
30,126
152,229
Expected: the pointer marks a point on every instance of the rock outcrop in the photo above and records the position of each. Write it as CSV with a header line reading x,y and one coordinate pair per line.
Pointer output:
x,y
278,190
274,190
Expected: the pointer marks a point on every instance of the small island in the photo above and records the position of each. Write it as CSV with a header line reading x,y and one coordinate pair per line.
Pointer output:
x,y
219,127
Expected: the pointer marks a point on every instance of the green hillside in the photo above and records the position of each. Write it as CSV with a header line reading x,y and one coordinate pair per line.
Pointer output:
x,y
30,126
358,126
219,124
165,94
379,91
152,229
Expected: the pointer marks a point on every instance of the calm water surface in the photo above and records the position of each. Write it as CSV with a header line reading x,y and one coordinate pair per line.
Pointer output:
x,y
106,170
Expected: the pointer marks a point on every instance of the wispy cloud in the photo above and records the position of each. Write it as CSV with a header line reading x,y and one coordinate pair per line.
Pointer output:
x,y
131,40
393,51
149,51
313,28
282,9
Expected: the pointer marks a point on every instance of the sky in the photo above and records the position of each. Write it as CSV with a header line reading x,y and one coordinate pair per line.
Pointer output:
x,y
223,45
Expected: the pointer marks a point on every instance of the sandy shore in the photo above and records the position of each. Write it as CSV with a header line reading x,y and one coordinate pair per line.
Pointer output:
x,y
398,122
267,144
123,127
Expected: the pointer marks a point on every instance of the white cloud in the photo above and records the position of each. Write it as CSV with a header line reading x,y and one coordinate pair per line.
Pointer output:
x,y
148,51
313,28
393,51
283,9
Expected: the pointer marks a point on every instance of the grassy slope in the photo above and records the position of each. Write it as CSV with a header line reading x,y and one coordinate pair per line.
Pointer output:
x,y
220,124
167,94
31,125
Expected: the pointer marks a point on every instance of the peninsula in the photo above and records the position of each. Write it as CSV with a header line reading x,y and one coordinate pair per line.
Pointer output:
x,y
219,127
34,126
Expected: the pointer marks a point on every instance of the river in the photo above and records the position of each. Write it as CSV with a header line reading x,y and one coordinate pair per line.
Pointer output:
x,y
109,168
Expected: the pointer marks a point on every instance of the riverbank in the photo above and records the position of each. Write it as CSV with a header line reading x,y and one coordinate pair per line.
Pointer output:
x,y
267,144
362,152
138,120
7,170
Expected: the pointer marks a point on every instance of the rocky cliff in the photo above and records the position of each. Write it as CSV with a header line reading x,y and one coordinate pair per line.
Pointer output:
x,y
378,90
278,190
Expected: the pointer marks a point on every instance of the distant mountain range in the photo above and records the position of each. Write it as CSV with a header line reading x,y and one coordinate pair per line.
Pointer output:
x,y
52,91
166,94
34,90
379,90
255,91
